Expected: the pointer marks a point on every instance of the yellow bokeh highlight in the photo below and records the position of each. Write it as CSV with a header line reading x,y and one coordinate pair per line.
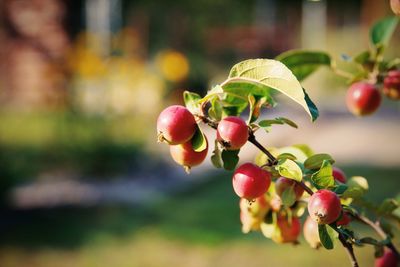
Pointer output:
x,y
173,65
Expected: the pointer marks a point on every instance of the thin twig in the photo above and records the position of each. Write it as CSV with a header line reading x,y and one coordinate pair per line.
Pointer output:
x,y
349,249
306,188
379,231
252,139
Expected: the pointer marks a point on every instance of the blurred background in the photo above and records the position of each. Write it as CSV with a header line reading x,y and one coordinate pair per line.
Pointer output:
x,y
83,181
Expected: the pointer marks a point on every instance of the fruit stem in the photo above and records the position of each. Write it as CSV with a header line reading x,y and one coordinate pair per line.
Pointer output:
x,y
252,139
379,231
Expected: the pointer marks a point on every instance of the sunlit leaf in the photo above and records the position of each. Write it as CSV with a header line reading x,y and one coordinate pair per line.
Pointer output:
x,y
323,178
191,101
324,237
315,161
199,141
289,169
382,31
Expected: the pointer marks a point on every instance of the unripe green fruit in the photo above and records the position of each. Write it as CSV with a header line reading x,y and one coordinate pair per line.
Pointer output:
x,y
388,259
391,84
289,231
344,220
185,155
250,181
232,132
310,232
176,125
363,98
283,184
324,206
339,175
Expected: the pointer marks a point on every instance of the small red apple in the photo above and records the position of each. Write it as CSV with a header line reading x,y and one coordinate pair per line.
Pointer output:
x,y
250,181
391,84
363,98
339,175
324,206
232,132
288,231
388,259
344,220
185,155
176,125
283,183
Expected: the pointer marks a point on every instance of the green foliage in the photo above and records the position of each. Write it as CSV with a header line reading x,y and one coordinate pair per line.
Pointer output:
x,y
191,101
315,161
303,63
199,142
288,197
289,169
323,178
216,157
382,31
230,159
266,124
326,237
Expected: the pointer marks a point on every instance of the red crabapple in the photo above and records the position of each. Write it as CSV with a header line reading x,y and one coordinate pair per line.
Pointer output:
x,y
176,125
344,220
324,206
310,232
363,98
339,175
391,83
288,231
185,155
283,183
388,259
232,132
250,181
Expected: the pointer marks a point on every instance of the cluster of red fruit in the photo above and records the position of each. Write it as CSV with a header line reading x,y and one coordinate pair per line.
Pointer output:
x,y
176,126
364,98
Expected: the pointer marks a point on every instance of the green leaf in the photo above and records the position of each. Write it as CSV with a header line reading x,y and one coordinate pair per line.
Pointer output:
x,y
288,197
259,76
191,101
357,186
324,237
289,169
305,149
199,141
255,107
279,120
230,159
382,31
303,63
362,57
216,156
394,63
315,161
340,189
311,106
215,110
286,156
388,206
323,178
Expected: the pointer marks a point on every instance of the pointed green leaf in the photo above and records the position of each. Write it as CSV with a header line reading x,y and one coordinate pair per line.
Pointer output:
x,y
289,169
199,141
303,63
286,156
279,120
191,101
215,110
324,237
230,159
315,161
388,206
382,31
311,106
362,57
288,197
216,158
305,149
259,76
340,189
323,178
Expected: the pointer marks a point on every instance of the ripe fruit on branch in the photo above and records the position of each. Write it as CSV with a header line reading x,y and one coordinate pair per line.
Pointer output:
x,y
339,175
324,206
252,214
176,125
388,259
232,132
288,231
185,155
391,83
363,98
283,184
344,220
250,181
310,232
